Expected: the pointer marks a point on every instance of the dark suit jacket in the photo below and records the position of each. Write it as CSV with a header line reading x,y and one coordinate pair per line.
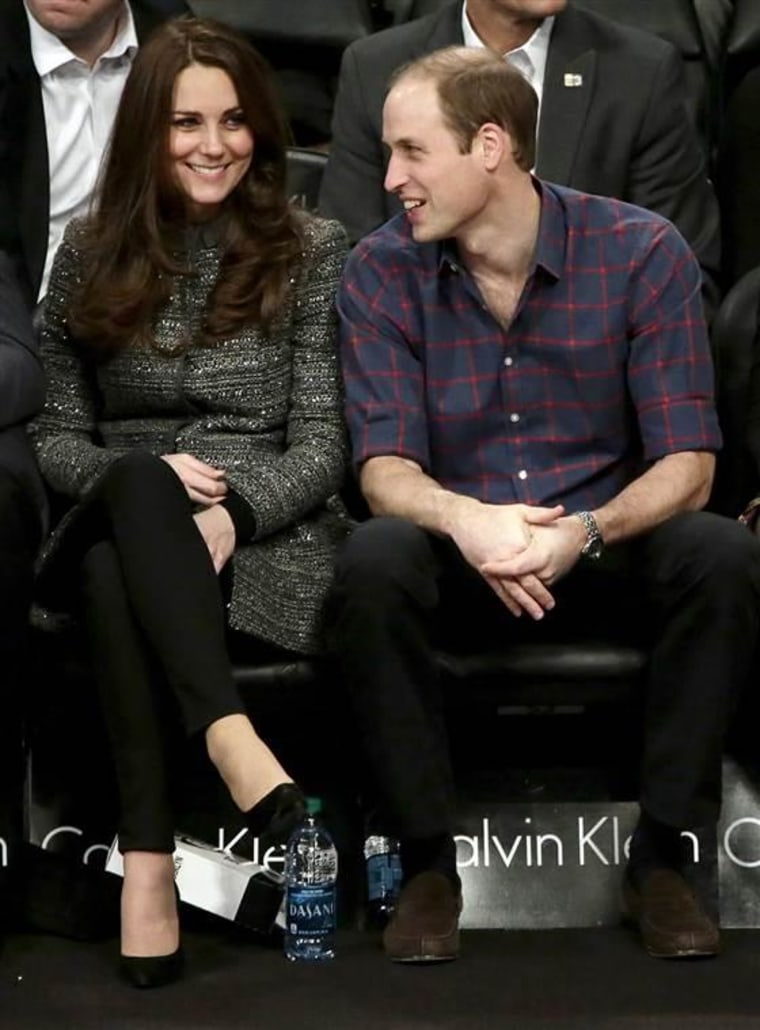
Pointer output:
x,y
624,133
24,173
22,387
739,179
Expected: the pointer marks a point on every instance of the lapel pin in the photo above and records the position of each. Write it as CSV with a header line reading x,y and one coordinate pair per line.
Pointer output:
x,y
572,80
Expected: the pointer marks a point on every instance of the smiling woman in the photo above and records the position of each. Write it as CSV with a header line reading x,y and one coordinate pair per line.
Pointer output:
x,y
210,145
194,420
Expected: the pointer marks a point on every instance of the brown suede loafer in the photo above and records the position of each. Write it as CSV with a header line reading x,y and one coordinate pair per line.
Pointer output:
x,y
425,924
671,921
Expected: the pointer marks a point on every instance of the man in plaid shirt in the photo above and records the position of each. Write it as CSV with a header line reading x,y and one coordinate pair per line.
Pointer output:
x,y
530,400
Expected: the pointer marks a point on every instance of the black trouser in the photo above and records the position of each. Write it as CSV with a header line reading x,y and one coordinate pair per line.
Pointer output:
x,y
155,619
691,588
19,539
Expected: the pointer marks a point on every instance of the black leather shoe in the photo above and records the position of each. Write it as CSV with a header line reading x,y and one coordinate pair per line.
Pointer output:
x,y
425,924
152,970
274,818
670,919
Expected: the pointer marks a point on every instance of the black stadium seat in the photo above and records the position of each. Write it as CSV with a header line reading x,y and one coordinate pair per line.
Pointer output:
x,y
735,335
303,40
305,168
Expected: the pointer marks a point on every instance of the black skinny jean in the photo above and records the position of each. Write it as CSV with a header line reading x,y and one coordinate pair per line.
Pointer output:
x,y
690,588
155,620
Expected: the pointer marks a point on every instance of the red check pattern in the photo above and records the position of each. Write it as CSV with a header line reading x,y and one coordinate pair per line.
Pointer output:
x,y
604,368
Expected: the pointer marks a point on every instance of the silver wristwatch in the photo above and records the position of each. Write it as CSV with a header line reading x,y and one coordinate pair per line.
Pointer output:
x,y
594,544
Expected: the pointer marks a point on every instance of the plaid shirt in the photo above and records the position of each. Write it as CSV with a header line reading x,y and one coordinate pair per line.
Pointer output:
x,y
604,368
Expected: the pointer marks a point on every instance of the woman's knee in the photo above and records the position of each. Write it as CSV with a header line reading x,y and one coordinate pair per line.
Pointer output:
x,y
135,474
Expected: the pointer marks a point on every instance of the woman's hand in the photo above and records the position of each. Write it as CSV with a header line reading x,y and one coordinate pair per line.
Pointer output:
x,y
204,484
218,531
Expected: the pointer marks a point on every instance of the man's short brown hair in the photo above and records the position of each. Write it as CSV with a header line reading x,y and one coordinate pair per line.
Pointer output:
x,y
477,86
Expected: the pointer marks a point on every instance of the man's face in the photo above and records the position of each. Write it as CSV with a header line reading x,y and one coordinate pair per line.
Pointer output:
x,y
71,19
521,10
442,190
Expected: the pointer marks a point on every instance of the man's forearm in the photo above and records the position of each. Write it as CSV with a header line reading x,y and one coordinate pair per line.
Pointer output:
x,y
675,483
397,486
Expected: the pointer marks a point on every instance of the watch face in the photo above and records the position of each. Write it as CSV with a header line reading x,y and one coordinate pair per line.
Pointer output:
x,y
594,547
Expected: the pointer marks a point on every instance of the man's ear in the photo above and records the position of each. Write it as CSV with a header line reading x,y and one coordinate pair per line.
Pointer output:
x,y
492,141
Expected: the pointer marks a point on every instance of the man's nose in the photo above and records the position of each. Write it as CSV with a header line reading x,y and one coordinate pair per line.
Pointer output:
x,y
395,175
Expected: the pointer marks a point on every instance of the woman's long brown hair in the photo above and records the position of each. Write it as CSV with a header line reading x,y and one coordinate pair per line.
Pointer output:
x,y
130,242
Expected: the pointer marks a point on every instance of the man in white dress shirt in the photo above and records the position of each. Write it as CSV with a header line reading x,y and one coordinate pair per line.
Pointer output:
x,y
614,115
63,65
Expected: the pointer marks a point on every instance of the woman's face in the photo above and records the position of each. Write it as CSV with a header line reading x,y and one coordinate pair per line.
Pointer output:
x,y
210,144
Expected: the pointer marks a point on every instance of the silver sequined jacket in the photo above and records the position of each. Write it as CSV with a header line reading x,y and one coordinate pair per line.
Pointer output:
x,y
266,407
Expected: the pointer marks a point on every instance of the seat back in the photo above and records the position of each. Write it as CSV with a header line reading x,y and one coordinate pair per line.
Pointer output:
x,y
330,24
742,44
305,170
738,169
734,333
303,40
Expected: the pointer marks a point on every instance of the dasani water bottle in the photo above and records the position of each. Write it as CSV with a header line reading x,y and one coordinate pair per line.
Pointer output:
x,y
311,871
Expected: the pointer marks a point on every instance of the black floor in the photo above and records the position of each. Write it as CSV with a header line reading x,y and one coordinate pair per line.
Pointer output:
x,y
579,979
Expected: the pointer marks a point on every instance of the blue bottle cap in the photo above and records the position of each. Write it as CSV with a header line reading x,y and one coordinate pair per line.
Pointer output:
x,y
313,806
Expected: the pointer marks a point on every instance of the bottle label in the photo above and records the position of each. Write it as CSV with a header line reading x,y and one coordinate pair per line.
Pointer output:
x,y
311,910
379,877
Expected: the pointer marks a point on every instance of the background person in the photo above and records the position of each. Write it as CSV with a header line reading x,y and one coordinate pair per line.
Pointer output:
x,y
614,117
194,416
63,65
22,517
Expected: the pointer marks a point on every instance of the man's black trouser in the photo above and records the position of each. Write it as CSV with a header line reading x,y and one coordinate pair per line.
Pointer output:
x,y
19,539
690,589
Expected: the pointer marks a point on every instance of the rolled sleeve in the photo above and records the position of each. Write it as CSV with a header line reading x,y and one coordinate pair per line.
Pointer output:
x,y
670,370
383,375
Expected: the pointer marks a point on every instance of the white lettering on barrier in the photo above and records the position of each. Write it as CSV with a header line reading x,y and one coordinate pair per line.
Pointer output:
x,y
694,844
729,847
601,842
540,847
481,845
91,849
56,831
226,848
584,840
274,856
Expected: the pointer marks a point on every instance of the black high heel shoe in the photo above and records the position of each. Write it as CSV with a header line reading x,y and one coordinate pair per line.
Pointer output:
x,y
274,818
145,971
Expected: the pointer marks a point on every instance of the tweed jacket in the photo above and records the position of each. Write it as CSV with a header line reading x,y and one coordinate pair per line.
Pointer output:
x,y
267,407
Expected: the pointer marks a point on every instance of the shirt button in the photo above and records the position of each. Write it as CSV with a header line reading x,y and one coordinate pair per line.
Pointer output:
x,y
509,362
522,474
514,417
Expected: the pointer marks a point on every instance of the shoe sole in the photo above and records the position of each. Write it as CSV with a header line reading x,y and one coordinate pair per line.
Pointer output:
x,y
682,953
422,960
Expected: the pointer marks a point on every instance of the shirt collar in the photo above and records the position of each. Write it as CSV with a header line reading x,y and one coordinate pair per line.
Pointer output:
x,y
50,53
550,244
530,58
